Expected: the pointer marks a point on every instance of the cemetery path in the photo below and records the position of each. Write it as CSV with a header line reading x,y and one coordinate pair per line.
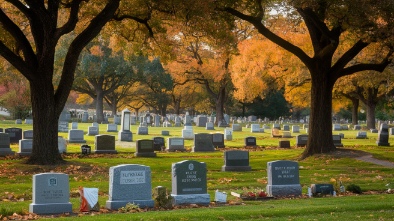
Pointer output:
x,y
362,156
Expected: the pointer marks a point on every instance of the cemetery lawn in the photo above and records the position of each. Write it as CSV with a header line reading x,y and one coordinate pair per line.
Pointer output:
x,y
92,171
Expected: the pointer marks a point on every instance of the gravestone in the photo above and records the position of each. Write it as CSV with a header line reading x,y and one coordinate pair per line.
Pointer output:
x,y
252,118
95,124
62,126
361,135
159,144
209,126
187,120
144,148
286,134
295,129
203,143
344,127
228,134
29,121
286,127
374,131
187,133
74,125
51,194
141,130
189,183
237,127
156,121
283,179
112,128
5,147
125,134
61,144
133,120
175,144
167,124
250,141
236,160
15,134
336,127
276,126
284,144
129,183
218,140
301,140
391,130
165,133
104,144
76,136
357,127
322,189
337,140
85,117
93,131
18,121
201,121
27,134
383,136
266,127
223,123
255,128
25,147
177,121
117,120
275,133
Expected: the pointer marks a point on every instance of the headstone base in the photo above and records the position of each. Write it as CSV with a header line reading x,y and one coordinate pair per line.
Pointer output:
x,y
6,152
236,168
207,149
76,141
175,149
125,136
53,208
114,205
24,153
383,144
145,154
199,199
105,151
284,190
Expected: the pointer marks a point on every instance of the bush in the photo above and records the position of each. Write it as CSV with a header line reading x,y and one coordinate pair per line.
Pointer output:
x,y
354,188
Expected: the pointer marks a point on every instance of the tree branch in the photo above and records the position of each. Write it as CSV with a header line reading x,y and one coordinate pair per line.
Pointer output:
x,y
72,20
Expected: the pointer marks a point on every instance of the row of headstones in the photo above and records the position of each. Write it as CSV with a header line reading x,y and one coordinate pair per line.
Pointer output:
x,y
131,183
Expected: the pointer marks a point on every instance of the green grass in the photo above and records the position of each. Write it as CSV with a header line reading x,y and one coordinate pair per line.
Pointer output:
x,y
92,171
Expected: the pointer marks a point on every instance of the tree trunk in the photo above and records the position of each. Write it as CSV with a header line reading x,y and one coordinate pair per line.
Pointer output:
x,y
45,150
99,106
220,105
371,115
320,121
356,103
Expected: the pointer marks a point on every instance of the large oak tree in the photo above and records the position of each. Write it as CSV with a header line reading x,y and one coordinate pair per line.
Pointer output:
x,y
326,22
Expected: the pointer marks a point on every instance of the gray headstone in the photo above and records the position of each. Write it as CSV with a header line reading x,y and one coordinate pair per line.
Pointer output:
x,y
336,127
28,121
295,129
93,131
209,126
228,134
250,141
283,178
203,143
337,140
175,144
201,121
255,128
117,120
112,128
188,120
286,127
236,160
85,117
237,127
188,134
25,147
15,134
218,140
62,126
18,121
74,125
357,127
286,134
361,135
141,130
76,136
391,131
61,144
27,134
144,148
165,133
104,144
51,194
189,183
383,136
129,183
301,140
5,147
